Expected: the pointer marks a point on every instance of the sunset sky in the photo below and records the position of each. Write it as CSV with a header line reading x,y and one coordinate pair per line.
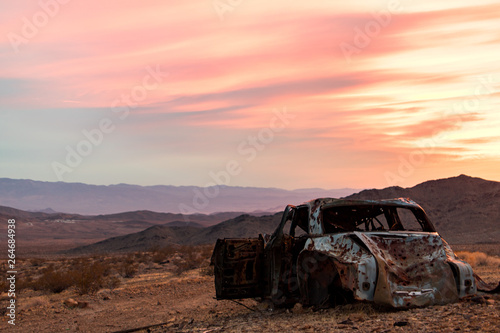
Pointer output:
x,y
328,94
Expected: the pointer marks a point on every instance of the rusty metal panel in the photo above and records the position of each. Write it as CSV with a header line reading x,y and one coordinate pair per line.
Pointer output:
x,y
413,269
464,276
238,268
355,265
315,224
395,269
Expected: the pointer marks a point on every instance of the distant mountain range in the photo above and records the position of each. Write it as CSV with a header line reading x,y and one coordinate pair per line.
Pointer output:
x,y
78,198
465,210
49,232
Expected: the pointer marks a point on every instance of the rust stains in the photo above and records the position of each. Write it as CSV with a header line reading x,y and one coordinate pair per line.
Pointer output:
x,y
382,251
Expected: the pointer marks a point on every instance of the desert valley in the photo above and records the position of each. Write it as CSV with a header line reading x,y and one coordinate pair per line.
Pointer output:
x,y
149,271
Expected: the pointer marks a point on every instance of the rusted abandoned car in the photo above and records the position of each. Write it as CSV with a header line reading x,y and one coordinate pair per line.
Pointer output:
x,y
334,251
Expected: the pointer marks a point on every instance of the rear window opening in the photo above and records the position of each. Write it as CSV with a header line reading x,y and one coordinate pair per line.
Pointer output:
x,y
374,218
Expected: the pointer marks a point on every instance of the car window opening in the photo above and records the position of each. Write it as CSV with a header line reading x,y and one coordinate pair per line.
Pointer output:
x,y
372,218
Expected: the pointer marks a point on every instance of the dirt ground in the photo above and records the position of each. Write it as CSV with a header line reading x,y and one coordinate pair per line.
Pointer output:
x,y
185,303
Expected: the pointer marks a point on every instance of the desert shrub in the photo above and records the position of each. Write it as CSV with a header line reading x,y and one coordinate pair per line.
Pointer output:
x,y
207,250
36,262
3,283
53,280
3,276
129,270
24,281
111,282
207,270
88,277
477,259
186,260
128,267
142,256
182,266
85,275
191,257
160,255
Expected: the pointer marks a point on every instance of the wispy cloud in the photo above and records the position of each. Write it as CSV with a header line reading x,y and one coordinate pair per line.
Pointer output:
x,y
415,81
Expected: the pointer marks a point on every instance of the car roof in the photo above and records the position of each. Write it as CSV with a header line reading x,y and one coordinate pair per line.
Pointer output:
x,y
333,202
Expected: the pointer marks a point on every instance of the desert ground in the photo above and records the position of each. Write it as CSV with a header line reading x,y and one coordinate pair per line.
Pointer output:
x,y
172,290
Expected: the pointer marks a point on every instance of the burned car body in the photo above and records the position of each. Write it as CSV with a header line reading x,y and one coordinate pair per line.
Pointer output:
x,y
334,251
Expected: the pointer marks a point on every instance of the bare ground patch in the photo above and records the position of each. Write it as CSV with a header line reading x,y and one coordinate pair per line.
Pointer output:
x,y
182,300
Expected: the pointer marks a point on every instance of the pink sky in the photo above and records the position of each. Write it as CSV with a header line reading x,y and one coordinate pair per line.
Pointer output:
x,y
377,93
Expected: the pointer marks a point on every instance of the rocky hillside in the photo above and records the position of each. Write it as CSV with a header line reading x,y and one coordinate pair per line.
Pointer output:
x,y
465,210
162,235
38,232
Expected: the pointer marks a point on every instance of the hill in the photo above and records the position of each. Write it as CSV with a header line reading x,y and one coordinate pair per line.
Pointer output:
x,y
162,235
465,210
48,232
155,236
99,199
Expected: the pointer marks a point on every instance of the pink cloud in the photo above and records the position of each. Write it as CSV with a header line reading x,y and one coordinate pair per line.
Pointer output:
x,y
225,78
434,127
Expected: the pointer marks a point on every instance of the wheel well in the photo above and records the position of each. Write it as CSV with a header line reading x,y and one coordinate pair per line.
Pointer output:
x,y
320,282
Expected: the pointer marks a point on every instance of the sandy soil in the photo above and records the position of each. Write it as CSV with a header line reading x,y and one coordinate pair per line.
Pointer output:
x,y
186,303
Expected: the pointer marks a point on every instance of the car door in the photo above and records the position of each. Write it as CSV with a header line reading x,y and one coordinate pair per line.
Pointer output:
x,y
238,264
277,250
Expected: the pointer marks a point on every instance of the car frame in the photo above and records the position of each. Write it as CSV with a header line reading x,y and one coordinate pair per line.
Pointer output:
x,y
338,251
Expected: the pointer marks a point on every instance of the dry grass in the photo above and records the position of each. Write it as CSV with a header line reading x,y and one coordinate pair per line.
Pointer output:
x,y
183,258
129,265
87,275
156,294
161,255
52,279
84,274
190,257
478,259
